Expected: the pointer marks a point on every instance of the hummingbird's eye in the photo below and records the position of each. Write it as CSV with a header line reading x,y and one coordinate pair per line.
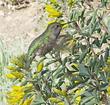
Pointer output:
x,y
57,26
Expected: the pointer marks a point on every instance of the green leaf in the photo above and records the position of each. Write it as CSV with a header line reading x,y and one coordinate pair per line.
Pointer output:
x,y
96,42
101,61
104,2
38,100
93,62
103,40
83,70
86,99
83,55
93,23
92,102
83,47
103,77
108,25
104,86
106,55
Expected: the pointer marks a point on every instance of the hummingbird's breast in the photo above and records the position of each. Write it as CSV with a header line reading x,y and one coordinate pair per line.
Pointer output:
x,y
46,48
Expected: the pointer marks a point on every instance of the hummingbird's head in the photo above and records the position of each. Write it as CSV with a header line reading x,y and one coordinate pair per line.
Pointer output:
x,y
55,28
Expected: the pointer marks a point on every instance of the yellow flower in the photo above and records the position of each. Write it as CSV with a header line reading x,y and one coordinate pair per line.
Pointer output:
x,y
75,73
52,11
17,62
71,43
54,100
40,67
15,95
80,91
28,86
71,66
53,1
53,21
11,67
78,94
71,2
57,101
106,69
76,82
75,65
10,76
78,100
108,61
27,101
15,75
61,103
65,25
108,90
60,92
18,74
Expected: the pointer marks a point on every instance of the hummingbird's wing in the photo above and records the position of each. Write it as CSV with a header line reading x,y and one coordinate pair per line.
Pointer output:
x,y
46,48
35,45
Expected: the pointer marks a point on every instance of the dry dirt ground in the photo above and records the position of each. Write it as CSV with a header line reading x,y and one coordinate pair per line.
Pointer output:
x,y
19,27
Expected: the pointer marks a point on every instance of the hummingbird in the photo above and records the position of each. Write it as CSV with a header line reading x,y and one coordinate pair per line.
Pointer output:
x,y
44,43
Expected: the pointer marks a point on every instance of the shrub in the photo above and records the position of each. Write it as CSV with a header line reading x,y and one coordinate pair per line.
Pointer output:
x,y
77,73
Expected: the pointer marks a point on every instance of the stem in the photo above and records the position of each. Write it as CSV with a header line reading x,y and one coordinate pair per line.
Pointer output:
x,y
67,99
105,99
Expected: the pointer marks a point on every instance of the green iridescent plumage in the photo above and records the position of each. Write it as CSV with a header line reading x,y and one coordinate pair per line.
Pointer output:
x,y
44,43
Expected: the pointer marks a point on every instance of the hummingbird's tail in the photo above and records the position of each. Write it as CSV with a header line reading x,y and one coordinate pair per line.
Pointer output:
x,y
27,64
29,61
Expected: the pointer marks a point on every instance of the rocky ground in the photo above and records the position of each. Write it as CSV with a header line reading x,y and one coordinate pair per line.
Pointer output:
x,y
19,27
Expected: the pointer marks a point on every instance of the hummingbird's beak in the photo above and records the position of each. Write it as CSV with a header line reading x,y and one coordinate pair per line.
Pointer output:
x,y
66,23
